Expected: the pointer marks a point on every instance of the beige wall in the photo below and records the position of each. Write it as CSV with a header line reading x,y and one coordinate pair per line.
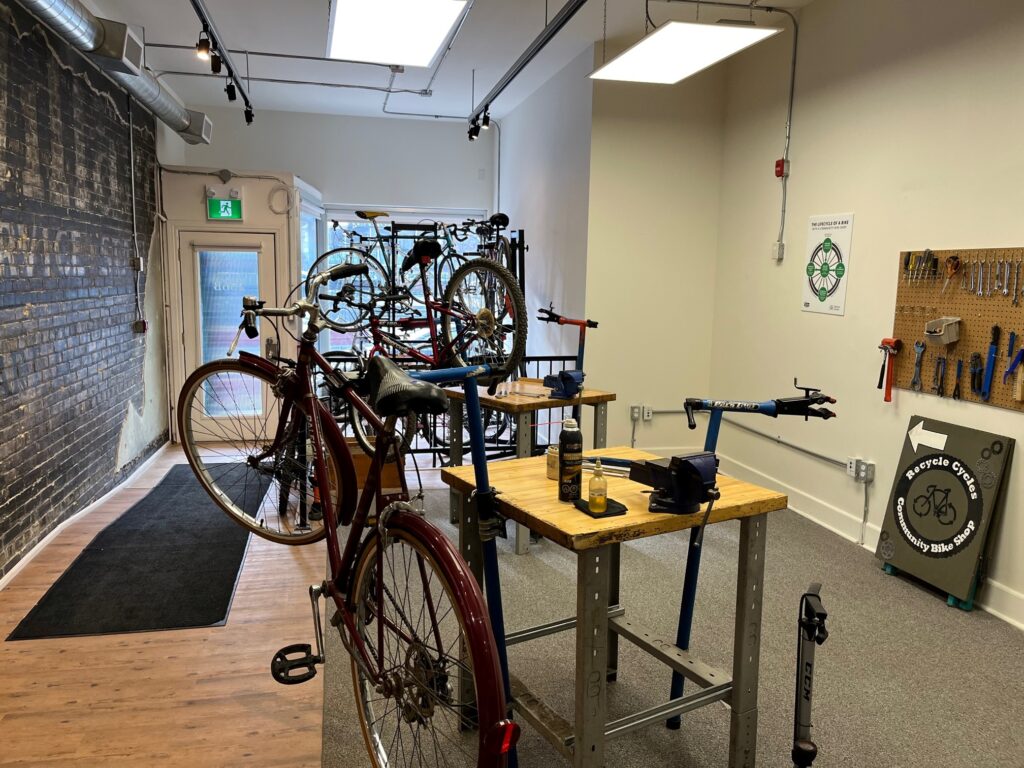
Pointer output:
x,y
358,160
545,174
653,231
907,115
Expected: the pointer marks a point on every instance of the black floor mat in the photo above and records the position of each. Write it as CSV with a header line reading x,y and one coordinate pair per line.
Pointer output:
x,y
169,562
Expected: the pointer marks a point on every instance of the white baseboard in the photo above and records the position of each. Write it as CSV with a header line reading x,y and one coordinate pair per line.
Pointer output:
x,y
994,597
41,544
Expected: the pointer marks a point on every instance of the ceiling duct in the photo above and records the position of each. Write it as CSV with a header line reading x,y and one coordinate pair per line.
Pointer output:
x,y
114,48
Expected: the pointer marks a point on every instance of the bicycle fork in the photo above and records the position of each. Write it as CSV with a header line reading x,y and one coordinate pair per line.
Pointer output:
x,y
297,663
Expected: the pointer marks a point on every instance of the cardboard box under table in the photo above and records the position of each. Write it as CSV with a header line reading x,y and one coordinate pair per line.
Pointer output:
x,y
529,498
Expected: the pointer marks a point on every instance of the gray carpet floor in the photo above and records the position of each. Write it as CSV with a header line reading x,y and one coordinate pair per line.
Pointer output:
x,y
903,681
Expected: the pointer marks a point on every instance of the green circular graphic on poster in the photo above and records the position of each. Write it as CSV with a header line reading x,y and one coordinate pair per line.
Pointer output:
x,y
826,269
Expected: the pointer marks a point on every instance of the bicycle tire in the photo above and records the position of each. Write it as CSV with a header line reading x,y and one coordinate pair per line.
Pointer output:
x,y
487,296
222,401
344,316
366,436
424,685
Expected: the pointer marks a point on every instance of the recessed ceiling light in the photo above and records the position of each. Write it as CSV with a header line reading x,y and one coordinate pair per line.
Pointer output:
x,y
402,32
680,49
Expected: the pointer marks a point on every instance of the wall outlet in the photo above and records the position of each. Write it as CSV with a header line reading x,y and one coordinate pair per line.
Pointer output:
x,y
860,470
778,251
139,326
634,413
138,264
648,413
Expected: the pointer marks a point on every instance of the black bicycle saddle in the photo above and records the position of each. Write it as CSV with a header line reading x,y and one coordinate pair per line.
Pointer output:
x,y
394,393
422,252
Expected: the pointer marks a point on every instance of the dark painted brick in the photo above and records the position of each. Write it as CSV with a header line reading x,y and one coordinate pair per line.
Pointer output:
x,y
70,365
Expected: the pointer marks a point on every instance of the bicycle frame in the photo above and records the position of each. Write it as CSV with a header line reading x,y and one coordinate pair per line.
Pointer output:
x,y
348,510
386,342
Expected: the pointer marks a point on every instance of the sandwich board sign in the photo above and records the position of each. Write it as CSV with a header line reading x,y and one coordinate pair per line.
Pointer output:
x,y
942,504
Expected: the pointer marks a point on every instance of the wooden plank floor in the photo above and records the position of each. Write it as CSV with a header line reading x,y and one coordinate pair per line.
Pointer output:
x,y
195,697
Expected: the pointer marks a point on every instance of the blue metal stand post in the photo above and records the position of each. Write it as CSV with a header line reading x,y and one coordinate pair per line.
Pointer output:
x,y
690,579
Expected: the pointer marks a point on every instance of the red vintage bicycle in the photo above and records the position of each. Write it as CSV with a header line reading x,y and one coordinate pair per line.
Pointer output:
x,y
410,614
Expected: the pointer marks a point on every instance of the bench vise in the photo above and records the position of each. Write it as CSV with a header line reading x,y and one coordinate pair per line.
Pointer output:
x,y
565,385
681,483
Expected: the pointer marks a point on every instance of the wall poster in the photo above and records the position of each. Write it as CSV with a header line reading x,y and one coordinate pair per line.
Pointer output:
x,y
827,269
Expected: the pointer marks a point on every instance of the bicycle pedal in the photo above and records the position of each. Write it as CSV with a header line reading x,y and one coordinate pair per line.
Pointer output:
x,y
289,669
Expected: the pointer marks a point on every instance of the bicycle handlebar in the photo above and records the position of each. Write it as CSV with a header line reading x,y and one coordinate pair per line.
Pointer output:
x,y
548,315
783,406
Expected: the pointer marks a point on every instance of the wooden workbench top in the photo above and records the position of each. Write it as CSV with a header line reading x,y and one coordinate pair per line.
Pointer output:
x,y
528,497
528,395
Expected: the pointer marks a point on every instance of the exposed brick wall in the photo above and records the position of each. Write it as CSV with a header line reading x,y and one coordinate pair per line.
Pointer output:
x,y
70,364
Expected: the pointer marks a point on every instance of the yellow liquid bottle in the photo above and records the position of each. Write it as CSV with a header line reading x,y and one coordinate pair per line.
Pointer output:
x,y
598,490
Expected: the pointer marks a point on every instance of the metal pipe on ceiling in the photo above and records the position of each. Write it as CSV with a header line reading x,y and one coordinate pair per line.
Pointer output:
x,y
270,55
381,88
561,19
78,26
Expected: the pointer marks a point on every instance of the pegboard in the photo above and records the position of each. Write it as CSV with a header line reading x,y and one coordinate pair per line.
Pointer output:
x,y
923,295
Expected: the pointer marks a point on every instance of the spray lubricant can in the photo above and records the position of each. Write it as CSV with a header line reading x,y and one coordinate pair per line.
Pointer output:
x,y
570,461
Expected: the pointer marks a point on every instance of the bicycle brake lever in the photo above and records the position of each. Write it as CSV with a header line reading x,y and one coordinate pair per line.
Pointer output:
x,y
822,413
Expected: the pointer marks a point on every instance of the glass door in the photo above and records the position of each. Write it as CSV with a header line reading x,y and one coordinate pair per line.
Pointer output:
x,y
218,269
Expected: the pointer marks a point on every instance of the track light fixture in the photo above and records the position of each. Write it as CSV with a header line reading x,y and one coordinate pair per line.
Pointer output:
x,y
248,115
474,130
203,46
229,89
485,122
215,62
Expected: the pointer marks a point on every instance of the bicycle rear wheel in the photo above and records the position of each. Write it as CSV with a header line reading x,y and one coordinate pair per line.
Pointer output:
x,y
439,699
485,321
252,451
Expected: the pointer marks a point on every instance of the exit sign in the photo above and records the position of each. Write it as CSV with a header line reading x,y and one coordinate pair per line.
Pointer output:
x,y
218,209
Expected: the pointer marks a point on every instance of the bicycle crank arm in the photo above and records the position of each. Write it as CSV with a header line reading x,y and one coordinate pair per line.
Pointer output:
x,y
296,663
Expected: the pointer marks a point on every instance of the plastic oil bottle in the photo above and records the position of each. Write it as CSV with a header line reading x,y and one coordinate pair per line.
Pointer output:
x,y
598,490
570,461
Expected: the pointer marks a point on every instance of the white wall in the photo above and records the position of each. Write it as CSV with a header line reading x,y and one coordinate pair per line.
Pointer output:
x,y
654,187
357,160
906,114
545,175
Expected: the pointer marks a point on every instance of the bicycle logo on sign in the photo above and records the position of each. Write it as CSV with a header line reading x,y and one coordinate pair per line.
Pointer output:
x,y
935,502
825,269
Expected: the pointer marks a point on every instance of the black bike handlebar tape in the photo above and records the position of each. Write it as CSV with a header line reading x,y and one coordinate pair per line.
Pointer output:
x,y
341,271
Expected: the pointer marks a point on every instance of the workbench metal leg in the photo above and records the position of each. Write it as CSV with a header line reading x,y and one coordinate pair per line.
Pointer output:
x,y
470,546
747,642
613,599
524,447
592,589
601,425
454,442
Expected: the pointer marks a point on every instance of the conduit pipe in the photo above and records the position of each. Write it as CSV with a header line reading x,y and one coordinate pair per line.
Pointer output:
x,y
79,27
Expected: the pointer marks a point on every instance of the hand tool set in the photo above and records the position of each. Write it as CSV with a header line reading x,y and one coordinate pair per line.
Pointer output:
x,y
957,307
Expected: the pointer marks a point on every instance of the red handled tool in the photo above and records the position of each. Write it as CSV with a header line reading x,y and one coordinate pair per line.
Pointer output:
x,y
890,348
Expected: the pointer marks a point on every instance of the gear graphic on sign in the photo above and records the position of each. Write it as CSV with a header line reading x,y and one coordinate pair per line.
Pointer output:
x,y
826,269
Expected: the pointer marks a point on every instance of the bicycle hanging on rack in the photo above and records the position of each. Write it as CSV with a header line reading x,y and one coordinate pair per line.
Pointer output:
x,y
426,666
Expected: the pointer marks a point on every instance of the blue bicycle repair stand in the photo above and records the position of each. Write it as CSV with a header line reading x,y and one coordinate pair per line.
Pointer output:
x,y
485,509
689,597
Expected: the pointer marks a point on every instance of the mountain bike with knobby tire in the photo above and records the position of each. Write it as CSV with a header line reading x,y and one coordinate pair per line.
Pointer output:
x,y
427,670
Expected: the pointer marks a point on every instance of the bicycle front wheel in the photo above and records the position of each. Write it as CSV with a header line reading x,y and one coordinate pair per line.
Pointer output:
x,y
351,300
438,697
252,451
484,317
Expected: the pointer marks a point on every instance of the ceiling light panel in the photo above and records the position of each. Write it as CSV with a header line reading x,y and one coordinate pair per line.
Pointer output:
x,y
404,32
680,49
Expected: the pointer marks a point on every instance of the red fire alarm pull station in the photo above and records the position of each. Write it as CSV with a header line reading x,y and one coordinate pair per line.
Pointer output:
x,y
781,168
